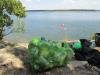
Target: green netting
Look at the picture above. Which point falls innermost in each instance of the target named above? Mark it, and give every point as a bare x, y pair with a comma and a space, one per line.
45, 55
77, 45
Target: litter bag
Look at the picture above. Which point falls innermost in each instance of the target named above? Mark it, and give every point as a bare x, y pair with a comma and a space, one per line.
44, 55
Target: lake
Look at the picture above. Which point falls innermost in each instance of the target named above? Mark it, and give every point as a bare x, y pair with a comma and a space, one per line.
58, 25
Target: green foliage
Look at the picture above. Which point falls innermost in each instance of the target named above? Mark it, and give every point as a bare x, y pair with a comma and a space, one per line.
7, 8
44, 55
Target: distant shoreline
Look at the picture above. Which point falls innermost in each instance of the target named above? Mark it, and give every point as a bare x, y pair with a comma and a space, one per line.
64, 10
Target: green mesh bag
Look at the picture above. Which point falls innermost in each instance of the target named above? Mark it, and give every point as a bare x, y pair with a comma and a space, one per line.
77, 45
44, 55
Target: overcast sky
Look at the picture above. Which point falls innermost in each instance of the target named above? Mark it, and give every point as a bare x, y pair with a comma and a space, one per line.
61, 4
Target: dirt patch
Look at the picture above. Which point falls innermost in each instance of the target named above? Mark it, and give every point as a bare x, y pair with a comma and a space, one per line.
13, 61
74, 69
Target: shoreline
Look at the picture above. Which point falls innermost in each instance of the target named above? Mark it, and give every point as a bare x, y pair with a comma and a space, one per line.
67, 10
14, 62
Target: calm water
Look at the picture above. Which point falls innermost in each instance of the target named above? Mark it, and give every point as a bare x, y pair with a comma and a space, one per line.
77, 24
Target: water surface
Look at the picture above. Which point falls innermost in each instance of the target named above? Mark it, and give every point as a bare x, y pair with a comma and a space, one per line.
77, 24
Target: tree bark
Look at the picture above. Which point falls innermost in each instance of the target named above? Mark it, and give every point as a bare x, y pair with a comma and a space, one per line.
1, 33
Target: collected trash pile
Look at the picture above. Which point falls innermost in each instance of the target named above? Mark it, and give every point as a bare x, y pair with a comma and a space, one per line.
45, 55
84, 51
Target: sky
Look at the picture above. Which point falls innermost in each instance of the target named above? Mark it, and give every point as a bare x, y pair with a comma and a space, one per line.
61, 4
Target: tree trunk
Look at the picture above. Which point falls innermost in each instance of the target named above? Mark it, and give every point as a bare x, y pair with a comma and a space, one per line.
1, 37
1, 33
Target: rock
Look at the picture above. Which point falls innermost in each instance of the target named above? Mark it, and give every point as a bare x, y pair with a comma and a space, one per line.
74, 64
22, 45
78, 63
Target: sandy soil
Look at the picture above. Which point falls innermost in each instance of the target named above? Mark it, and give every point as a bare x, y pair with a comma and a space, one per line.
13, 61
